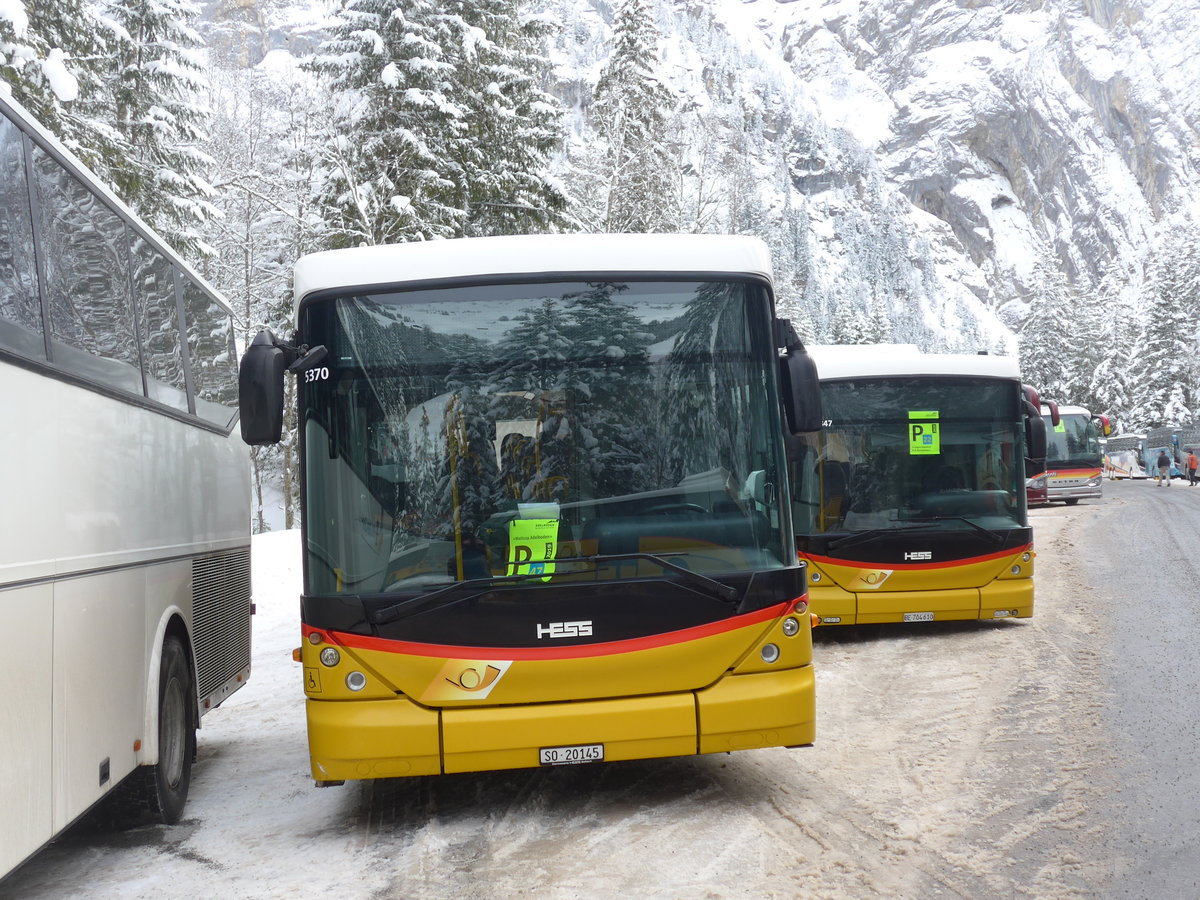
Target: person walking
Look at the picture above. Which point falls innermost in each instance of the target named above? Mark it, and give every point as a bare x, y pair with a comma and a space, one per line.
1164, 469
1192, 465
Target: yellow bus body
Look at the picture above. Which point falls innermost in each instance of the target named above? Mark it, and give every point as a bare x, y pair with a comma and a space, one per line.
996, 586
427, 710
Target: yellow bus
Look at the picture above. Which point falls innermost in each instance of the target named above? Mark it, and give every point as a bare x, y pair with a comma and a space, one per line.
910, 502
545, 514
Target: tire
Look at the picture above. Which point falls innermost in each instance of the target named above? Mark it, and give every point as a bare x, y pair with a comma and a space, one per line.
167, 782
158, 793
1072, 501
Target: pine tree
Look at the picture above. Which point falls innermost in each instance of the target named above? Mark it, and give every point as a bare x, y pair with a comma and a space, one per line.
395, 123
56, 59
849, 325
1045, 363
157, 91
632, 115
1109, 389
1167, 391
510, 125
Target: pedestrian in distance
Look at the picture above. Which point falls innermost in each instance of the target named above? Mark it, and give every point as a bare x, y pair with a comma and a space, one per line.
1164, 469
1192, 465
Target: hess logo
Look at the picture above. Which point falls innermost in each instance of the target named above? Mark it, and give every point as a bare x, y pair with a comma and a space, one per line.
565, 630
918, 555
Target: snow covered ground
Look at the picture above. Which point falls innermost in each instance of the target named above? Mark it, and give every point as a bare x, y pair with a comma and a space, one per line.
955, 760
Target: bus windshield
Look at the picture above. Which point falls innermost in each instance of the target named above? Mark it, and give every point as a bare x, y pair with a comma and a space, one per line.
531, 433
907, 452
1075, 440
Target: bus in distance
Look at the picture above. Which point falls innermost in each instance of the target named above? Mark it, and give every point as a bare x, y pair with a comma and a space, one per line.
125, 556
1074, 458
532, 534
910, 501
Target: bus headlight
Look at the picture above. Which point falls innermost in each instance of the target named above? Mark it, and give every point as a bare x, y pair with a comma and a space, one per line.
330, 656
790, 626
356, 681
816, 576
1016, 570
1025, 557
770, 653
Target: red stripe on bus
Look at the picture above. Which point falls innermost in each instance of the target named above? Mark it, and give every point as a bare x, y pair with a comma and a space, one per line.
577, 651
964, 561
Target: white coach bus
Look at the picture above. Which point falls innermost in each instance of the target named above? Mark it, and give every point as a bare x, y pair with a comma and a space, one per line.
124, 547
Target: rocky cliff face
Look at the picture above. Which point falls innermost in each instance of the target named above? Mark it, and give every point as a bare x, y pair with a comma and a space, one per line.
1019, 124
945, 145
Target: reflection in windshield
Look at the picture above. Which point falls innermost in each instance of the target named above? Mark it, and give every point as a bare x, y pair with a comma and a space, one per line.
900, 451
1075, 439
508, 431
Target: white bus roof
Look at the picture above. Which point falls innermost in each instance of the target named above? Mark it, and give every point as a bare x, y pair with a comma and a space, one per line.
835, 361
535, 255
1067, 410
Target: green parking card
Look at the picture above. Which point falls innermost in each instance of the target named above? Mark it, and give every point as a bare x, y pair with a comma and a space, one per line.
924, 436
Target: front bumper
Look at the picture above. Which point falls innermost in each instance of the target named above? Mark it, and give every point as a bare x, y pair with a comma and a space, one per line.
387, 738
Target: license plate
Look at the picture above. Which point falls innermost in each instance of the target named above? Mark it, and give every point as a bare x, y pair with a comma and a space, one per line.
569, 756
918, 617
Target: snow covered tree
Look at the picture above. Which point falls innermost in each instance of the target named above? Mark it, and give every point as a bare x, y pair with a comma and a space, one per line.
632, 114
849, 324
1045, 361
1166, 393
55, 55
509, 126
396, 120
157, 90
1109, 390
261, 134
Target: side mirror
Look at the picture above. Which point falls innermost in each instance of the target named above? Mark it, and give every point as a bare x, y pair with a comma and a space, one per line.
1104, 425
800, 383
260, 390
1035, 434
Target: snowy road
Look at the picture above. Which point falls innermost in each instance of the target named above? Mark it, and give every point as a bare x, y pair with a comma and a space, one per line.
956, 760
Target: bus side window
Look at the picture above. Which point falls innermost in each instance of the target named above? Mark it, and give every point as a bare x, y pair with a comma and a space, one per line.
20, 308
211, 356
87, 280
158, 301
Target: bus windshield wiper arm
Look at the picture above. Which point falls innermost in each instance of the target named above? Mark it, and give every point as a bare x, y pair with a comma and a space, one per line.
710, 586
995, 538
860, 536
414, 605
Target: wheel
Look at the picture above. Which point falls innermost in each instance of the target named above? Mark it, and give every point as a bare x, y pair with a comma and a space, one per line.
1071, 501
167, 782
158, 792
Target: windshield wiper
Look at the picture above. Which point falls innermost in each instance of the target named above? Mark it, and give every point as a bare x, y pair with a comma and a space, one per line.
992, 535
414, 605
709, 586
858, 537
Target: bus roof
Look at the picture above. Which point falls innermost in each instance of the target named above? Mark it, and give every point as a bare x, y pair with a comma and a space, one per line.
842, 361
1067, 410
540, 256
